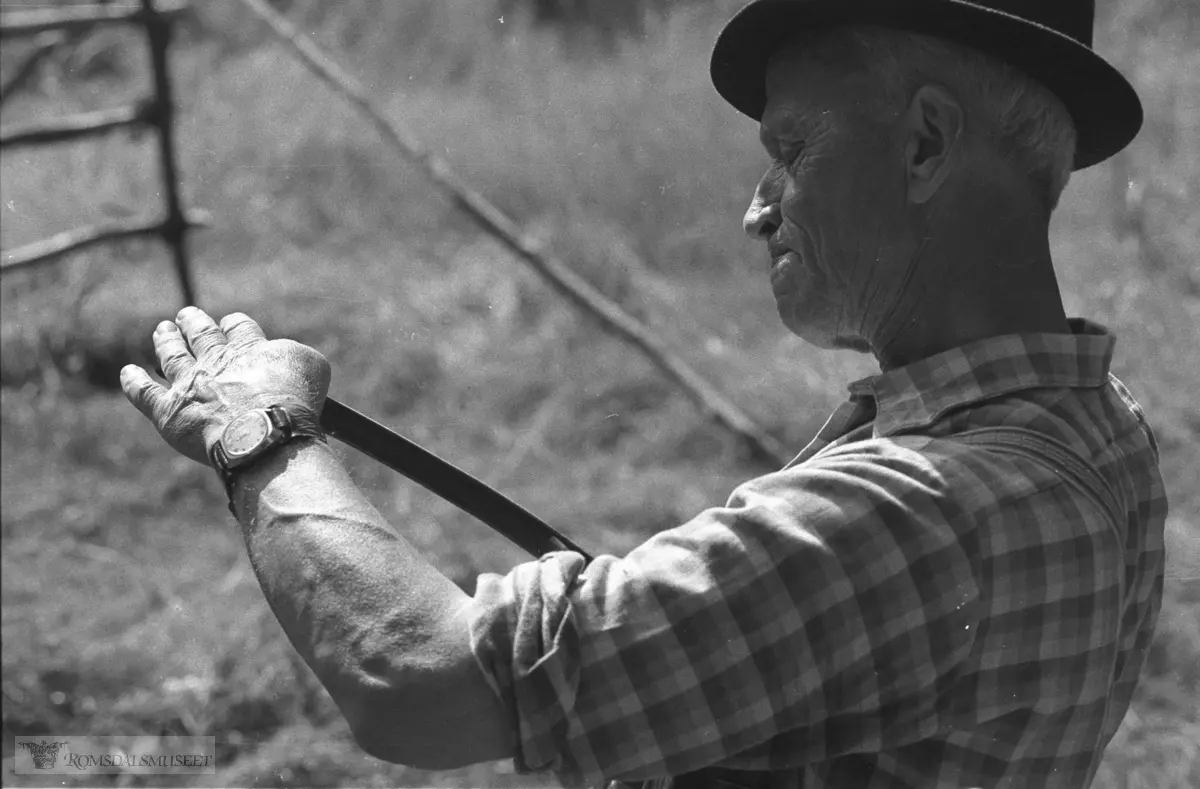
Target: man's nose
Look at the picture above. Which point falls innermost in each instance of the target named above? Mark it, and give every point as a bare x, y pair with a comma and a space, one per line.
762, 218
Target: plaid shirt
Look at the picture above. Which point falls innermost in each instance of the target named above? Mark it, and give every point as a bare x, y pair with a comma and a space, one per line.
895, 608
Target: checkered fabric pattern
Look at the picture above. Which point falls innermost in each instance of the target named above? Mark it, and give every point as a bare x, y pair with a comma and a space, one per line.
892, 609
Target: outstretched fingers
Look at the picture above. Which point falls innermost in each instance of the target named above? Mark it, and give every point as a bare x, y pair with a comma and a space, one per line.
200, 331
142, 391
174, 358
241, 329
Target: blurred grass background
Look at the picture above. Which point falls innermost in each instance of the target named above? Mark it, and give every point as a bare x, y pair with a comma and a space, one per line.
128, 604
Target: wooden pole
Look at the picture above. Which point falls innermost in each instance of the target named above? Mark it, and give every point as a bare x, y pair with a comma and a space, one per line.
80, 238
31, 22
175, 225
74, 127
763, 447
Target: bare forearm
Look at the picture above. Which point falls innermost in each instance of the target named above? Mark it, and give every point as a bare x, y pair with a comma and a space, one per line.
344, 585
362, 607
385, 631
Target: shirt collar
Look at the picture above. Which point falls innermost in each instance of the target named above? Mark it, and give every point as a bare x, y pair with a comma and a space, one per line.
918, 394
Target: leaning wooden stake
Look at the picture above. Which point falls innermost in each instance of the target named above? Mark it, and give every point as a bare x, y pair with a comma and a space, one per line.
763, 447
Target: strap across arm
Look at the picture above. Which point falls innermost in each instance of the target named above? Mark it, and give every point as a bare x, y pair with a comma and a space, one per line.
446, 480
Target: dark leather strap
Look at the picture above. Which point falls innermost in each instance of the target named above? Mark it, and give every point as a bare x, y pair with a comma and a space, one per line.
502, 514
450, 482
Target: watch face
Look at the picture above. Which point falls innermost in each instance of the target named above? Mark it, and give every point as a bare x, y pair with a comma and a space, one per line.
244, 434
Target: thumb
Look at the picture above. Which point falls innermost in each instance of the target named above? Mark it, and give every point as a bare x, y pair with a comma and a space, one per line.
142, 391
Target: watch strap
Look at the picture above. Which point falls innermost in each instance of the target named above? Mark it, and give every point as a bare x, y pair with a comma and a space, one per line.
290, 421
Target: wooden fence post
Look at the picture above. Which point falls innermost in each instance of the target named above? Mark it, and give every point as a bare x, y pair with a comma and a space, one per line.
175, 225
157, 111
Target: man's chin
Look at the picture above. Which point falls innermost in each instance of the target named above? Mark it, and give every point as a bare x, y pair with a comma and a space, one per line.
851, 344
827, 340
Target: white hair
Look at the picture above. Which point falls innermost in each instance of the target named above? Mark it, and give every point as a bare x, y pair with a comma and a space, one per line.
1021, 117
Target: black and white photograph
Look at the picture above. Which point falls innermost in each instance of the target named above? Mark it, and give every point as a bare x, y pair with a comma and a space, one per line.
634, 394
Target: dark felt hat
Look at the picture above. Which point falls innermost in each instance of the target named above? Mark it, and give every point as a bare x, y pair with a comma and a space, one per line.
1050, 40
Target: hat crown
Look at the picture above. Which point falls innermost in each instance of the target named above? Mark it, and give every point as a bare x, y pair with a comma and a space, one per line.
1048, 40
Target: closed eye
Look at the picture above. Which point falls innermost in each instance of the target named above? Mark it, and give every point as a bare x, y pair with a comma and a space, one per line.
785, 154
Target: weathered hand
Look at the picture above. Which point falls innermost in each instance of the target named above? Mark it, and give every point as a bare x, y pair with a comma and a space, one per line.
217, 373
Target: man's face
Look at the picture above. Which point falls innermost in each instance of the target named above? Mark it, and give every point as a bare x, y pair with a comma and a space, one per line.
832, 204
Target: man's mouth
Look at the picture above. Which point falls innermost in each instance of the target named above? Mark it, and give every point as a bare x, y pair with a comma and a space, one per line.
781, 256
785, 268
777, 250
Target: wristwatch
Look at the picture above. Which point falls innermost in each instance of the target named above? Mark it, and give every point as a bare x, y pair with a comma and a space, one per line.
255, 434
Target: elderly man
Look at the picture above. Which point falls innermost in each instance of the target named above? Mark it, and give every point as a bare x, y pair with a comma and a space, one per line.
954, 584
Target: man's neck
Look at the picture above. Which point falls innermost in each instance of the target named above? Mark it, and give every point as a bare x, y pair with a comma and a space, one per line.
983, 278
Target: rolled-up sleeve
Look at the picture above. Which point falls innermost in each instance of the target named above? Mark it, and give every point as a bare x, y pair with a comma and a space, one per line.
820, 612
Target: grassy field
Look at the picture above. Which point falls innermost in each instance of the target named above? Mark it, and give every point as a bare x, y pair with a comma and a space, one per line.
128, 603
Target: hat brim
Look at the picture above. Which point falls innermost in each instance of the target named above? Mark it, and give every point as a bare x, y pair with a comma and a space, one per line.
1103, 105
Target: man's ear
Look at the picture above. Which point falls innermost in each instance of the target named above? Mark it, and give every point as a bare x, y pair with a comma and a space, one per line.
934, 122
